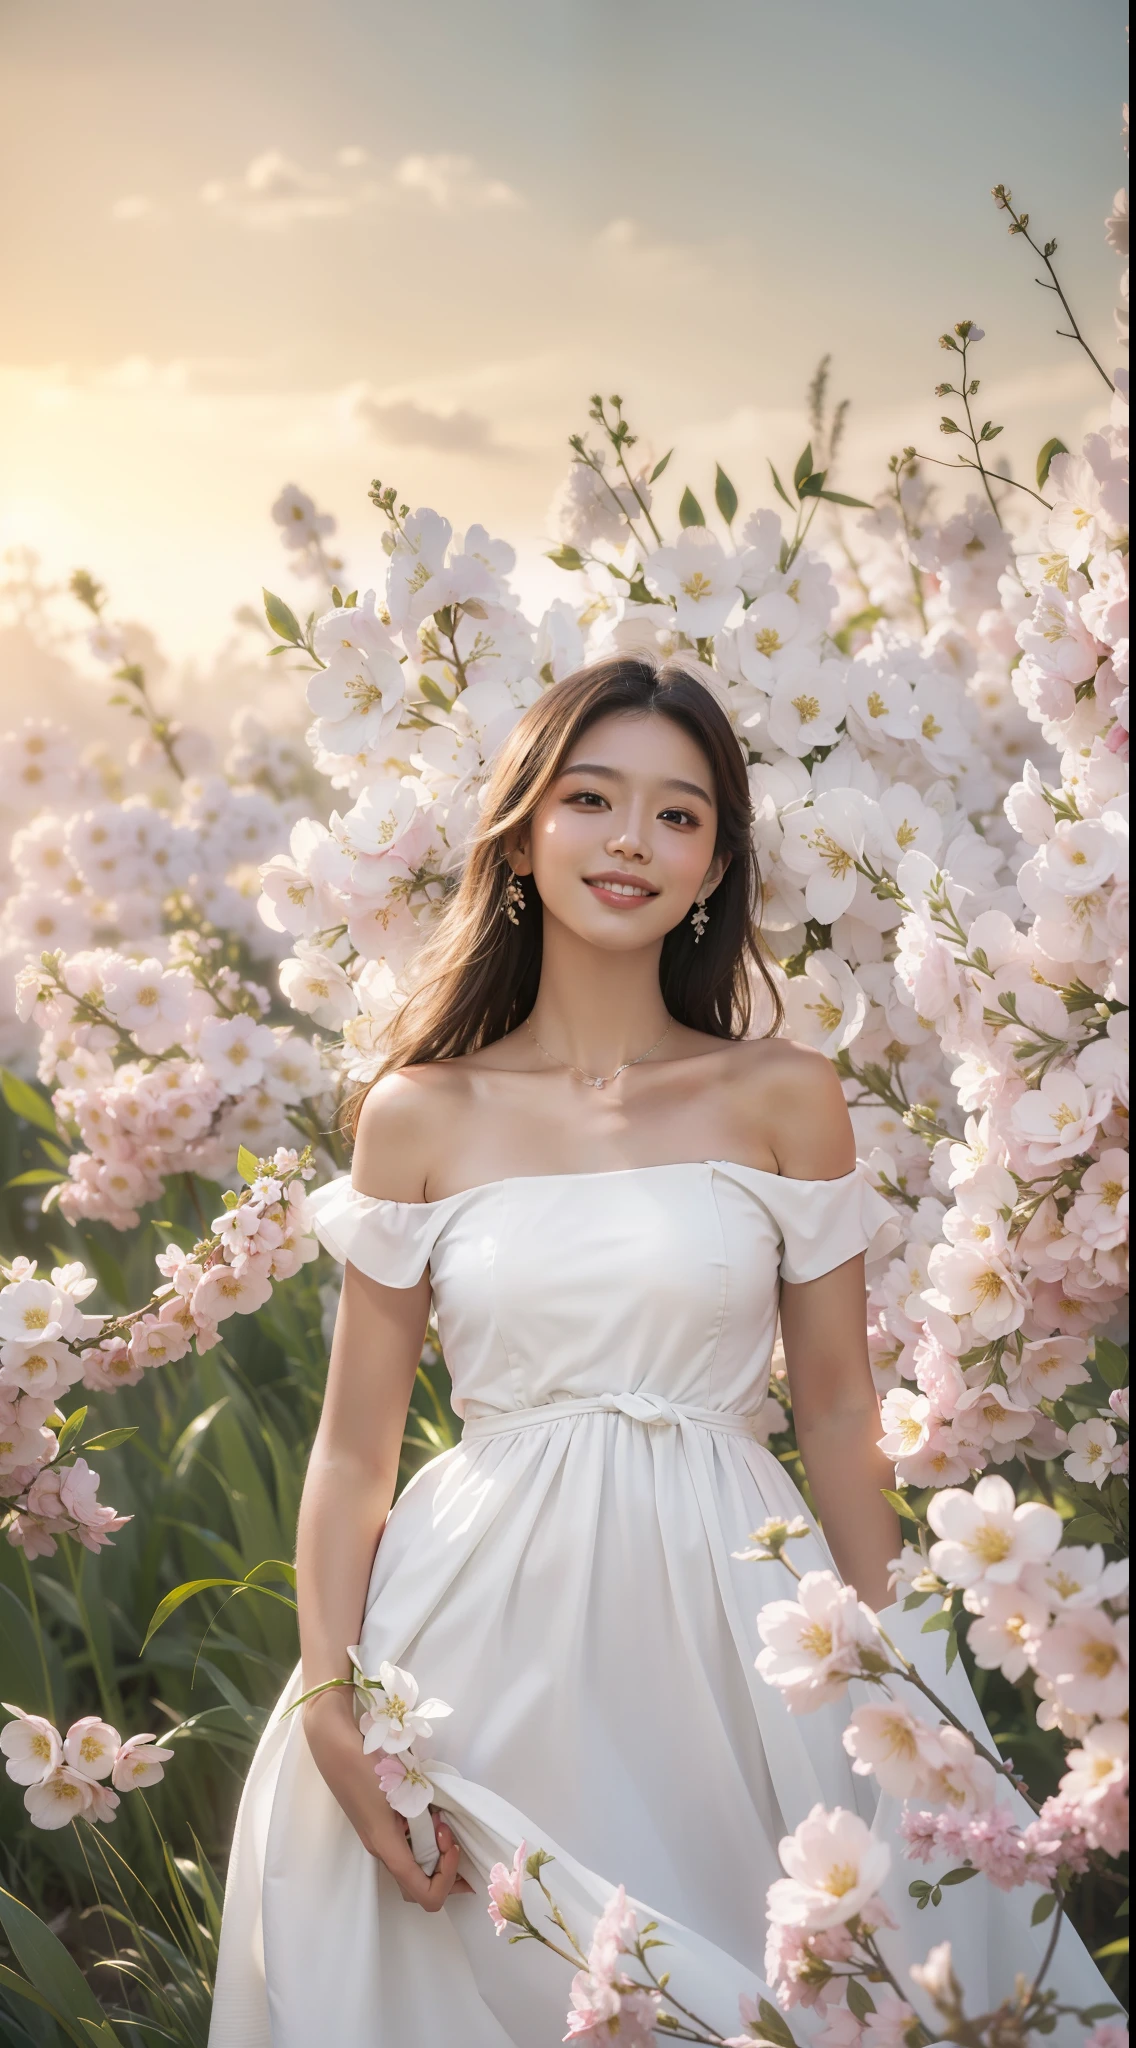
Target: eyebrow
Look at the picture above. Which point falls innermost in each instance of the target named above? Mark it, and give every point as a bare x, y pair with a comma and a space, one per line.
616, 775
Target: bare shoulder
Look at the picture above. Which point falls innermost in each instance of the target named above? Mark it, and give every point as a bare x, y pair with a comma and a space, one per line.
401, 1126
789, 1097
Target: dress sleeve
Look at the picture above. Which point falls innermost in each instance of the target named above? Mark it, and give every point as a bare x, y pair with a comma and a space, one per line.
822, 1223
388, 1241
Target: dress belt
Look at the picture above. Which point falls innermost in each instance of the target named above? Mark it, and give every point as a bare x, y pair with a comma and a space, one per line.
649, 1409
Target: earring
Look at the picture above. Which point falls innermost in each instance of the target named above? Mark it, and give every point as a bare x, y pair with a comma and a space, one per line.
699, 918
514, 899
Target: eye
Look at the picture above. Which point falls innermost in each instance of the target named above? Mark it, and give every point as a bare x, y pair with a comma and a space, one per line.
590, 798
674, 816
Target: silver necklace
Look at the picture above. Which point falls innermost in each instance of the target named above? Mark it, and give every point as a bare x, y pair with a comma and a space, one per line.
598, 1080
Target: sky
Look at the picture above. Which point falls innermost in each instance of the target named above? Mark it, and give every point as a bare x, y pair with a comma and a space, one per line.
262, 241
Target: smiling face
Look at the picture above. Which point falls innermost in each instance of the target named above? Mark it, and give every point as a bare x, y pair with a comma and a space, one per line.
623, 842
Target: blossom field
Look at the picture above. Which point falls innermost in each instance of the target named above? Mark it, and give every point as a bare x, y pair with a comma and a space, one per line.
204, 939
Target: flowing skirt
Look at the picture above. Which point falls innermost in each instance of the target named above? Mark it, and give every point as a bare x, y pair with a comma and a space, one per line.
569, 1589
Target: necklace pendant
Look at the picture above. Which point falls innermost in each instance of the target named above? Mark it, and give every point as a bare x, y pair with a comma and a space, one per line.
597, 1084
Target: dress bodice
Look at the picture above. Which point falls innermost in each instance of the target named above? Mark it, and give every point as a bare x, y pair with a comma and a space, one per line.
661, 1281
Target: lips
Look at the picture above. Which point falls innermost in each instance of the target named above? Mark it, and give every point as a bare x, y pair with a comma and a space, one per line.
620, 889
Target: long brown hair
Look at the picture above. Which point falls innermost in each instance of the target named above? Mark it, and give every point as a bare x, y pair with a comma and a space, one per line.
477, 976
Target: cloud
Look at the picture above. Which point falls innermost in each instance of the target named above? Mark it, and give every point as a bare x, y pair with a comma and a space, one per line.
453, 182
135, 206
274, 191
403, 423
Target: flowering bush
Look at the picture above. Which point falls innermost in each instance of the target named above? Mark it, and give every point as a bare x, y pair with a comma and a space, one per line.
48, 1345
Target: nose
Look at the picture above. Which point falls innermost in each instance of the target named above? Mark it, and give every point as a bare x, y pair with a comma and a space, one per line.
629, 836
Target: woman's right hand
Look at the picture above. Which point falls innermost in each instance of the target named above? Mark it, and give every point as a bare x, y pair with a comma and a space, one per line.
337, 1749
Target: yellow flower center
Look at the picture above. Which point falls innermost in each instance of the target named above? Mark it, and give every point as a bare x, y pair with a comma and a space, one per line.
363, 693
900, 1739
930, 727
817, 1638
836, 858
1110, 1193
35, 1319
906, 834
1063, 1116
827, 1012
841, 1878
698, 586
806, 708
767, 641
991, 1543
989, 1287
1100, 1657
876, 706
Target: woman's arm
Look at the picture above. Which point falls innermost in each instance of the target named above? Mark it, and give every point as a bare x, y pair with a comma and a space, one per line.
350, 1484
837, 1419
824, 1331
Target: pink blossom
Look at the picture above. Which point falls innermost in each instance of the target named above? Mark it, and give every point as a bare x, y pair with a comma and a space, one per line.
887, 2026
154, 1342
507, 1885
138, 1763
96, 1524
110, 1365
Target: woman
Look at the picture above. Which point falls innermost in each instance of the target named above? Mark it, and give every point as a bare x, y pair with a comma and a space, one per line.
609, 1188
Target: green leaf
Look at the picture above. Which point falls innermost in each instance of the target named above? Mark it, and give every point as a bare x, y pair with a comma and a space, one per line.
861, 2004
27, 1102
943, 1619
1111, 1948
690, 512
1089, 1529
565, 557
725, 496
1043, 1907
271, 1568
70, 1430
779, 486
54, 1152
952, 1653
178, 1598
804, 467
48, 1966
962, 1875
18, 1987
812, 485
189, 1442
434, 694
251, 1583
773, 2027
660, 465
841, 498
36, 1177
1111, 1362
900, 1504
1045, 458
248, 1165
109, 1439
110, 1273
282, 619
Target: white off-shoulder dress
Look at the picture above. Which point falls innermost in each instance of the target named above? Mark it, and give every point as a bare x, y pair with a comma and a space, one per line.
565, 1578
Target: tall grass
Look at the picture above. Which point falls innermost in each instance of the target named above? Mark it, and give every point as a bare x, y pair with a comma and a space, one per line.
212, 1479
